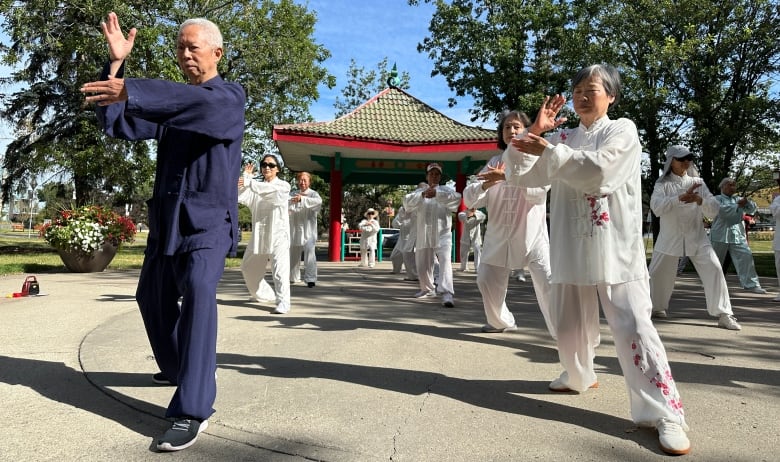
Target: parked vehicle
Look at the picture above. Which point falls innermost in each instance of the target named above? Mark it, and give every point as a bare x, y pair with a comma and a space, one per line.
389, 237
763, 227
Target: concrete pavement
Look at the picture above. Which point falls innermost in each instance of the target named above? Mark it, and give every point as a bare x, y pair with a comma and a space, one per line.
359, 370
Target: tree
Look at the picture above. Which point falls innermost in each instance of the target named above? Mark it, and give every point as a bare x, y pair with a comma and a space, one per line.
363, 85
698, 72
57, 46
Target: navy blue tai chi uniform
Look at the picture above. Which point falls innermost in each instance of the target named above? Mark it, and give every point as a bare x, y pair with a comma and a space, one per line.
193, 221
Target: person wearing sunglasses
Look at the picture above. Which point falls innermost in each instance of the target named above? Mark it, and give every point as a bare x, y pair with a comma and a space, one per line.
681, 200
369, 228
267, 199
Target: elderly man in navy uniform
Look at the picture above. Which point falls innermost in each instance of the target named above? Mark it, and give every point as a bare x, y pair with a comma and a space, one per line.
193, 212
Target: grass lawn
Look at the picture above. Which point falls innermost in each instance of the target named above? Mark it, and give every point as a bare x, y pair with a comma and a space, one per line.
20, 254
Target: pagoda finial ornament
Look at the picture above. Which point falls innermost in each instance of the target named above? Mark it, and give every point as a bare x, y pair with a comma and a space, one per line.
393, 80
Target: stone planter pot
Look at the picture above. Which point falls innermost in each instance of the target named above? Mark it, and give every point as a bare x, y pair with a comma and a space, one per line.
95, 263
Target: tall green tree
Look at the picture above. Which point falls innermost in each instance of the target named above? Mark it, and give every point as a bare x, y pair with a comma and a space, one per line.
363, 84
56, 46
698, 72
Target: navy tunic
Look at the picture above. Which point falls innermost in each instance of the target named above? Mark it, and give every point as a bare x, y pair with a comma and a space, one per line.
193, 222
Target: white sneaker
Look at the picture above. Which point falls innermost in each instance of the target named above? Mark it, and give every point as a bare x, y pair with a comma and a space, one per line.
557, 385
728, 321
756, 290
488, 329
672, 437
424, 293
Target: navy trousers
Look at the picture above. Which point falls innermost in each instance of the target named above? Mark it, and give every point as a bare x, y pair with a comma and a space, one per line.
184, 339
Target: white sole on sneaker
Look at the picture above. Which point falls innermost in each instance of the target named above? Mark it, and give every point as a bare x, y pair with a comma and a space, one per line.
168, 448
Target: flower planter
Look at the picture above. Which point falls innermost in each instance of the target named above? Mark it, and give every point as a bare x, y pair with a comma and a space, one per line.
94, 263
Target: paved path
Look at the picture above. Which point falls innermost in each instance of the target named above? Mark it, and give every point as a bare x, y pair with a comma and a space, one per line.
361, 371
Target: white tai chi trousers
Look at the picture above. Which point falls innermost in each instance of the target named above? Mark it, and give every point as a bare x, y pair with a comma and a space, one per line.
425, 260
777, 265
465, 249
253, 268
493, 282
309, 263
642, 357
663, 272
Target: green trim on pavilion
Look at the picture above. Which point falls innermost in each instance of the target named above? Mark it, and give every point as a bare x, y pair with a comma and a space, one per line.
387, 140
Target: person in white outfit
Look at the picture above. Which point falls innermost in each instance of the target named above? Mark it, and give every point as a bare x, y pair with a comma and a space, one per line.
305, 204
267, 200
681, 200
403, 252
596, 249
471, 239
369, 228
434, 207
774, 208
516, 234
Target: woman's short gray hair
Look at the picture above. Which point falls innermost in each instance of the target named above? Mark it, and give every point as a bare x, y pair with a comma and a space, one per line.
724, 181
610, 78
211, 32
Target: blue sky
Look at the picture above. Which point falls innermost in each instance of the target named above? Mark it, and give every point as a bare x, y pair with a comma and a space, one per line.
370, 30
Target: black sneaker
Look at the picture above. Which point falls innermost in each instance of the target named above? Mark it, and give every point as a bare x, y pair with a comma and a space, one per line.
310, 284
182, 434
161, 379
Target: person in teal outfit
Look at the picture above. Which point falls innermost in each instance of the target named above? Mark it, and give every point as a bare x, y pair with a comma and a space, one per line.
728, 234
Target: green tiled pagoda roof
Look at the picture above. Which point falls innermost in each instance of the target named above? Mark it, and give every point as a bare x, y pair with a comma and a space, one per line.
394, 116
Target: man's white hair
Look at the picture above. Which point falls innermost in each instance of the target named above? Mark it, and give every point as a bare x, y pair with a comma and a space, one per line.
212, 34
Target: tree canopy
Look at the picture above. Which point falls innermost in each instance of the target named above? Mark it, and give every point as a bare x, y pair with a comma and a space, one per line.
57, 46
699, 72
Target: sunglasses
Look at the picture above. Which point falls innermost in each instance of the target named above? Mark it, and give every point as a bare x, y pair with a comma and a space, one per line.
688, 158
267, 165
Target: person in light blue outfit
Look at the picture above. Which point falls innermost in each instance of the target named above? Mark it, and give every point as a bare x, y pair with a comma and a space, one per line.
728, 234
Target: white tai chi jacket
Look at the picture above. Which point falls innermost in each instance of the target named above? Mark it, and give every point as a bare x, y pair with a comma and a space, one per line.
434, 216
590, 188
682, 225
303, 218
472, 227
268, 203
517, 222
406, 223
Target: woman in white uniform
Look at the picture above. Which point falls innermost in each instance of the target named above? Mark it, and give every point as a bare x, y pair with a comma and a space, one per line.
369, 228
268, 201
681, 200
597, 252
471, 238
516, 234
774, 208
403, 252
